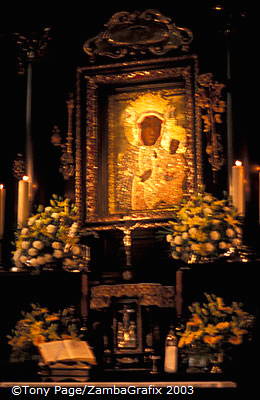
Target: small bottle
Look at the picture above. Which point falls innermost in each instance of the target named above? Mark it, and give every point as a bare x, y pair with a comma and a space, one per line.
171, 352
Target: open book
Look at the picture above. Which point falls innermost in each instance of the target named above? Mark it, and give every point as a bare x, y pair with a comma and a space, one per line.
66, 351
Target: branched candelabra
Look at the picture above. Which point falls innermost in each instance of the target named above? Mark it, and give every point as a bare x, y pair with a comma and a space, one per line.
31, 47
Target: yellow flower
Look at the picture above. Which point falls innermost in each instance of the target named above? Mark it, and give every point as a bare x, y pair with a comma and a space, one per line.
230, 232
239, 332
214, 235
178, 240
38, 340
197, 319
222, 325
193, 232
182, 342
212, 340
169, 238
230, 220
235, 340
211, 329
219, 301
201, 236
52, 318
209, 247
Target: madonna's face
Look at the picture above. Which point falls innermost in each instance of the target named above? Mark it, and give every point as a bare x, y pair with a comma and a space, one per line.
150, 130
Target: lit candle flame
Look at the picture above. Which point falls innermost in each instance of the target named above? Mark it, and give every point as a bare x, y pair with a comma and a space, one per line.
238, 163
25, 178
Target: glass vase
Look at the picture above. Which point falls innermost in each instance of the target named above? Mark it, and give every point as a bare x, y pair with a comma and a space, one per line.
198, 360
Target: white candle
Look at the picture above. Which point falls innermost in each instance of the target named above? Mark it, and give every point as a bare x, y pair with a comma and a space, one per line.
238, 187
23, 201
2, 210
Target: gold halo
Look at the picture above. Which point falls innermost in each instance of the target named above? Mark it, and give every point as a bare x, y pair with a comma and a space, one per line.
152, 104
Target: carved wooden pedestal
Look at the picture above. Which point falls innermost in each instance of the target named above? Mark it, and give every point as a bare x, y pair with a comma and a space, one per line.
134, 322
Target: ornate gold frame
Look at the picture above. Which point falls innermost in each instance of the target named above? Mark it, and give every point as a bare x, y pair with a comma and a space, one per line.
93, 85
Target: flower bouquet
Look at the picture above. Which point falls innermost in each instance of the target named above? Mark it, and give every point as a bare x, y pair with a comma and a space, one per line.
40, 325
204, 228
50, 236
215, 327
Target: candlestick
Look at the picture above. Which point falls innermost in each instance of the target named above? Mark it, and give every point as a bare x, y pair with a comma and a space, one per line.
2, 210
238, 188
23, 201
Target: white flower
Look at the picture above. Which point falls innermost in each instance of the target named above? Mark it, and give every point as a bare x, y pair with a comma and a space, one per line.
208, 198
192, 232
24, 231
214, 235
73, 229
230, 232
56, 245
17, 254
48, 209
76, 250
55, 215
223, 245
25, 245
58, 253
32, 252
38, 244
34, 262
238, 230
51, 228
38, 223
41, 260
31, 220
236, 242
209, 247
23, 259
48, 257
207, 211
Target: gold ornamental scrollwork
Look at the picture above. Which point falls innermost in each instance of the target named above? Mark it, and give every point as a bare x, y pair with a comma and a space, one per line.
148, 294
138, 33
212, 106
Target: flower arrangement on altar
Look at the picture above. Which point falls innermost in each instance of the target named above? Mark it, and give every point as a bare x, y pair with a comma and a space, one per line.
204, 228
40, 325
215, 325
52, 234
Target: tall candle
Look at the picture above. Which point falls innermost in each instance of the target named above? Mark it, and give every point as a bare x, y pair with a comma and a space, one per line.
238, 187
23, 201
2, 210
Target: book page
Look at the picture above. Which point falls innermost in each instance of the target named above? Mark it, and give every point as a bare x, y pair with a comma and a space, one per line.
66, 350
79, 350
53, 351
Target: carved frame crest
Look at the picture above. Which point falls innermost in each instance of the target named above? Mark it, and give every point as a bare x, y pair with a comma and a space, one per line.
138, 33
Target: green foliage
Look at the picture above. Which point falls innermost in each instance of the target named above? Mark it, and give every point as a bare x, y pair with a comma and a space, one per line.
40, 325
